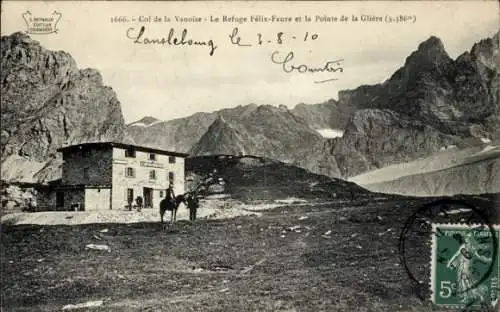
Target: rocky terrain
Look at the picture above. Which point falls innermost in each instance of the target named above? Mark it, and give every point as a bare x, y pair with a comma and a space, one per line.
48, 102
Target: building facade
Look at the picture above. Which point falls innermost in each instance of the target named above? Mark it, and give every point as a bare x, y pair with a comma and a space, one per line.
102, 176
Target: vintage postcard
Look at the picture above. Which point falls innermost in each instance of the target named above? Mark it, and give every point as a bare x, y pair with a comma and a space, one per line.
250, 156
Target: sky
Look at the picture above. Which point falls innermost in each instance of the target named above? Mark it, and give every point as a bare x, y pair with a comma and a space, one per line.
167, 81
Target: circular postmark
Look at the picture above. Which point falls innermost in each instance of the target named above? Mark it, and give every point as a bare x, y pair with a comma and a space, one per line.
449, 249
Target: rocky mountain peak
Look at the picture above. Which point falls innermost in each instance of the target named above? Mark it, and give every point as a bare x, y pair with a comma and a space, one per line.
430, 55
487, 51
48, 102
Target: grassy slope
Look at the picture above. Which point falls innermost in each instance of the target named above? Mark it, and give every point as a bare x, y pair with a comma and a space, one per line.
200, 266
255, 178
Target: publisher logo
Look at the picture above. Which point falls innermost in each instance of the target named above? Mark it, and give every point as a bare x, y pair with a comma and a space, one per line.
41, 25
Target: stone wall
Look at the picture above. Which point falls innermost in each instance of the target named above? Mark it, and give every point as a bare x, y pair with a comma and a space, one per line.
88, 166
46, 199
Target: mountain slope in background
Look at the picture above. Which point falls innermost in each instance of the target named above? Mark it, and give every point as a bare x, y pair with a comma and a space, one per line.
432, 101
476, 174
250, 178
264, 131
327, 115
375, 138
178, 134
48, 102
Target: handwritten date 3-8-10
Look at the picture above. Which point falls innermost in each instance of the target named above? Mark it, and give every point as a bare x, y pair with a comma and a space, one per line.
280, 38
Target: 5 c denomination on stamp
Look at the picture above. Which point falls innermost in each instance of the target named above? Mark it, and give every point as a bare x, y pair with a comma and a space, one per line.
465, 268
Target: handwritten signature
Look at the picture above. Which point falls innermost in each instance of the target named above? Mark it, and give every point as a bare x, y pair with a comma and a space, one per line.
288, 67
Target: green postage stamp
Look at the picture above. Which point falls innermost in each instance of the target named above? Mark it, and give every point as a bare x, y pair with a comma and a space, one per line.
465, 268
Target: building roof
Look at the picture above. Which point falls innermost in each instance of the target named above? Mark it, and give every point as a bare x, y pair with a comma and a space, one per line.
120, 145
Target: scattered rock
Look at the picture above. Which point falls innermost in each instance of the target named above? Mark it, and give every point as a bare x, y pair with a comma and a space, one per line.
88, 304
98, 247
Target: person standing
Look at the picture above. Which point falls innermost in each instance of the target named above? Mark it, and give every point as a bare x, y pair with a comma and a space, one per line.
193, 204
138, 202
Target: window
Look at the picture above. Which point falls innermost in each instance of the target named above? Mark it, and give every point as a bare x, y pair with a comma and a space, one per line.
85, 173
129, 172
86, 153
171, 159
161, 193
130, 153
130, 195
171, 177
152, 156
152, 175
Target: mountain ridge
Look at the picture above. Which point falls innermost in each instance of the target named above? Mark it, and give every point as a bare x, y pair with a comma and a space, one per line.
47, 102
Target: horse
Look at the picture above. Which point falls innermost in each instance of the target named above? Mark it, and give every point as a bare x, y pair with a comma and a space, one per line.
171, 205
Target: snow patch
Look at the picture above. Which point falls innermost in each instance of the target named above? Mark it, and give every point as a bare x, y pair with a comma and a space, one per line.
485, 140
290, 200
141, 124
330, 133
487, 148
138, 124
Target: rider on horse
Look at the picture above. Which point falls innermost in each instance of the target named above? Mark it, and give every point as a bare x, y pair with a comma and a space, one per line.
170, 193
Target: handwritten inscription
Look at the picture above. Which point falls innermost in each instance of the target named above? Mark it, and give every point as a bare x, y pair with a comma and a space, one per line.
279, 38
288, 67
171, 39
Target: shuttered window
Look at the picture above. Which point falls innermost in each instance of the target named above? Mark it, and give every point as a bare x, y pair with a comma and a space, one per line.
129, 172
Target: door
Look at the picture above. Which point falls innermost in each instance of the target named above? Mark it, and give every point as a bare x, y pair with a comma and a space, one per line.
59, 200
148, 197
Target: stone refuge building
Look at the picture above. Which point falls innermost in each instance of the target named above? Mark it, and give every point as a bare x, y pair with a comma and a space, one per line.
106, 175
